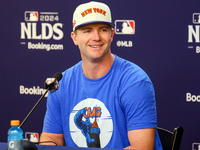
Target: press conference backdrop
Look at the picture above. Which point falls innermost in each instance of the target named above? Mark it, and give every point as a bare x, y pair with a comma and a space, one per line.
162, 37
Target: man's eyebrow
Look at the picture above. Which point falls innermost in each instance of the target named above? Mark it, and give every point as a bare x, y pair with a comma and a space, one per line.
85, 28
89, 28
105, 27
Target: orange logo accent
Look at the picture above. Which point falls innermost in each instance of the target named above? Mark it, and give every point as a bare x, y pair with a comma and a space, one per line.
96, 112
95, 10
74, 23
101, 11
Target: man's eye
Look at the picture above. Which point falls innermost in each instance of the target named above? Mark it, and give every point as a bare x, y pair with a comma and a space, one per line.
86, 31
104, 30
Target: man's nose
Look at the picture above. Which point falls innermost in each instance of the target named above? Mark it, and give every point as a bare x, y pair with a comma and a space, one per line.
96, 35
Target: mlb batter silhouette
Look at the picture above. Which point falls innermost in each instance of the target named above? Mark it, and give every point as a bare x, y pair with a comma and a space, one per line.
33, 17
126, 28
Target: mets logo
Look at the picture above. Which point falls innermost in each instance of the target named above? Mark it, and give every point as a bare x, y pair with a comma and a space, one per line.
91, 124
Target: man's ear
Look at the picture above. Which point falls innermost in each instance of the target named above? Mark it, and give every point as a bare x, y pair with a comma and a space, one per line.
73, 36
112, 34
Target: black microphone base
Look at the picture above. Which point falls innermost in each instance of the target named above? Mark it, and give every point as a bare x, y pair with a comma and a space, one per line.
29, 145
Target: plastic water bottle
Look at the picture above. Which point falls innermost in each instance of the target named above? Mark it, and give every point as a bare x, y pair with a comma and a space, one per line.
15, 136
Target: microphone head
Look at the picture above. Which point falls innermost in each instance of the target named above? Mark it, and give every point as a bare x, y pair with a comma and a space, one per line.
52, 83
58, 76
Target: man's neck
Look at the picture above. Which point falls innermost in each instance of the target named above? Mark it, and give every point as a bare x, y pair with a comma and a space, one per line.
94, 70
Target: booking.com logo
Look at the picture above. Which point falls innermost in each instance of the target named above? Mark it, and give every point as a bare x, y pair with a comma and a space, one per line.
192, 98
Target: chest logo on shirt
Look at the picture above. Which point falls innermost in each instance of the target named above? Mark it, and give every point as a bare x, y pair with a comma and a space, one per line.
91, 124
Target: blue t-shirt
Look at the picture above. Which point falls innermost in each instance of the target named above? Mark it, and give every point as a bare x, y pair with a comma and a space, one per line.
100, 112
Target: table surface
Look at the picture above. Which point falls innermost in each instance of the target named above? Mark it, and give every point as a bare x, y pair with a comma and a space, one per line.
45, 147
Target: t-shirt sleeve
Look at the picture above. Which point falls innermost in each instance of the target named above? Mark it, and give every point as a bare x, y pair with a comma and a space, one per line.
139, 106
52, 120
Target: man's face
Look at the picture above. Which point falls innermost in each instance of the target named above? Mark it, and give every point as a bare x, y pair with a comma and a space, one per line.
93, 40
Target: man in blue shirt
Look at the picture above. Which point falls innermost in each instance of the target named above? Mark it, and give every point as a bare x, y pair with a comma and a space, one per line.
103, 101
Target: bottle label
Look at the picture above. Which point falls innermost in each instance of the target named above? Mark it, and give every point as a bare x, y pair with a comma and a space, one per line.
15, 145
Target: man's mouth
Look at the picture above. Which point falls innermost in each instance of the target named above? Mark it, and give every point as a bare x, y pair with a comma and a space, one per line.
95, 46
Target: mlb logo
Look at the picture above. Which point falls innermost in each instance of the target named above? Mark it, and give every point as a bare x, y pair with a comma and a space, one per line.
125, 27
195, 146
196, 18
32, 137
31, 16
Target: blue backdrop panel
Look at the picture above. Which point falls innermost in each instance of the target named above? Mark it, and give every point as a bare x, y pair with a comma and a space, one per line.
35, 44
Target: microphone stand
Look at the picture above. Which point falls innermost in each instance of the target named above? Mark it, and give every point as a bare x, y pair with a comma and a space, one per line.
33, 108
